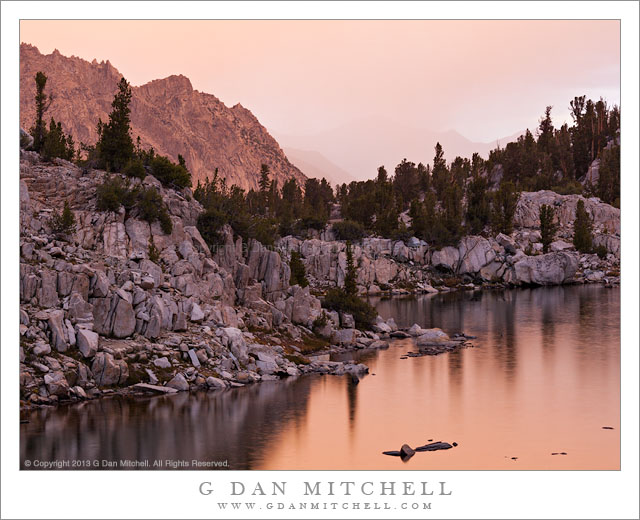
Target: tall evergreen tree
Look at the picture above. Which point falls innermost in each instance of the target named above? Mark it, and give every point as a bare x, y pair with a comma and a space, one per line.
582, 229
563, 154
439, 172
478, 205
580, 136
39, 129
548, 227
264, 182
608, 185
115, 146
350, 287
406, 180
546, 132
57, 144
451, 214
298, 274
382, 175
503, 208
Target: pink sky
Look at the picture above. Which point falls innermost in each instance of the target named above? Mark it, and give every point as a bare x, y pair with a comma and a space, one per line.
484, 79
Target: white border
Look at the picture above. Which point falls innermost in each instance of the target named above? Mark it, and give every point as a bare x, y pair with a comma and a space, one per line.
543, 494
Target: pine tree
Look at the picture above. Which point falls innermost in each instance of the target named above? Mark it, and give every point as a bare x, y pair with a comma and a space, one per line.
503, 208
582, 229
115, 146
39, 129
562, 153
63, 224
350, 287
298, 274
451, 214
264, 182
548, 227
546, 132
477, 215
439, 172
608, 185
57, 144
406, 180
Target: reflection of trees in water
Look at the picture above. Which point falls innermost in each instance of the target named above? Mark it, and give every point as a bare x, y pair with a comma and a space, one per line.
236, 425
503, 329
598, 311
550, 306
352, 401
454, 364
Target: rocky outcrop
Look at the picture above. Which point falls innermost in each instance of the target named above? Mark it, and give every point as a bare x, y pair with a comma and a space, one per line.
606, 218
99, 315
411, 265
550, 269
167, 114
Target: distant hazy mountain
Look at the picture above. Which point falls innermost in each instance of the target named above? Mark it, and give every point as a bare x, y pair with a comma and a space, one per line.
361, 146
314, 164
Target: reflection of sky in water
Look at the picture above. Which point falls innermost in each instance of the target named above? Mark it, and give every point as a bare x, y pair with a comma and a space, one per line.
544, 378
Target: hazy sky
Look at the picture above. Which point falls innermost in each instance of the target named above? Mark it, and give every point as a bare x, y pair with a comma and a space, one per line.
485, 79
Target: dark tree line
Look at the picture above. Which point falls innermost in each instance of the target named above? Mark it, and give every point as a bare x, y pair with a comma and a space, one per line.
560, 157
265, 213
443, 200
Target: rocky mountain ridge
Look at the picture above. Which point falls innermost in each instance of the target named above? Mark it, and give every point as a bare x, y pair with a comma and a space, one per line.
167, 114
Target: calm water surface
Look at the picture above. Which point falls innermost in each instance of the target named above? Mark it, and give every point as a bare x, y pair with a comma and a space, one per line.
543, 378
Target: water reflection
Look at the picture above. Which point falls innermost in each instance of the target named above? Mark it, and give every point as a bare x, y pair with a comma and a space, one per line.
544, 378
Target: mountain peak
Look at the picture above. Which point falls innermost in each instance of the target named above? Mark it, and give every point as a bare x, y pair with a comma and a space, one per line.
167, 114
179, 82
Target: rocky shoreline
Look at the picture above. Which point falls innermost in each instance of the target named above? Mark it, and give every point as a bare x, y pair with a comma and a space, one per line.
99, 317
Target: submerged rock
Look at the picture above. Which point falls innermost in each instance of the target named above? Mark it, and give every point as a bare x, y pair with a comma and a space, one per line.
435, 446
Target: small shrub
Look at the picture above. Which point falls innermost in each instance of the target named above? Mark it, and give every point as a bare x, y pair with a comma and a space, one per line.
298, 359
63, 224
165, 221
115, 192
170, 174
320, 321
312, 343
338, 300
135, 168
151, 208
263, 230
149, 204
348, 230
111, 193
298, 273
209, 224
601, 251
